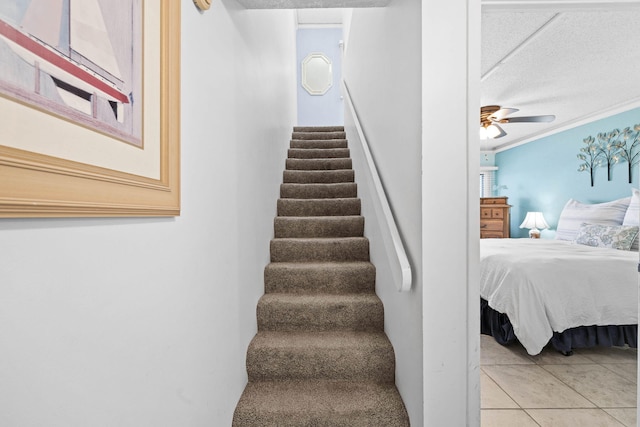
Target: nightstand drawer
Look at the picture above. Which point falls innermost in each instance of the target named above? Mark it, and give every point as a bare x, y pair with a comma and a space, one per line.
488, 225
491, 235
491, 213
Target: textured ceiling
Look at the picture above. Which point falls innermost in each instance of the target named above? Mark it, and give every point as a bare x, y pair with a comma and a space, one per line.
327, 16
578, 64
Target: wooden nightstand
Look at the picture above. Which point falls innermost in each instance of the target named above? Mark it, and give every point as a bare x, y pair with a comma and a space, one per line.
494, 217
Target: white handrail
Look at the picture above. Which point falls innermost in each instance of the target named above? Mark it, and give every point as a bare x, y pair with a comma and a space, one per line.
402, 268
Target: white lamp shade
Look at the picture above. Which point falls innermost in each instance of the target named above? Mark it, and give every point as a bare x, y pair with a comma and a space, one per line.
534, 220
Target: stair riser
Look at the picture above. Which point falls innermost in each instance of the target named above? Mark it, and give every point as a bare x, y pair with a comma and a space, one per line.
318, 128
350, 226
319, 250
335, 418
318, 191
318, 164
331, 279
287, 316
318, 143
281, 364
318, 177
318, 135
318, 153
318, 207
320, 404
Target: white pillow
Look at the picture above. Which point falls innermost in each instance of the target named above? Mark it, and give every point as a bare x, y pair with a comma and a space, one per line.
632, 217
607, 236
575, 213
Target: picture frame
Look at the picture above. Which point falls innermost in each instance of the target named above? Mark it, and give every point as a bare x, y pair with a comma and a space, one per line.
34, 182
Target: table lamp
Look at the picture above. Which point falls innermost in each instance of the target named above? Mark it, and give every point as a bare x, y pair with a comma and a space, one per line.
533, 221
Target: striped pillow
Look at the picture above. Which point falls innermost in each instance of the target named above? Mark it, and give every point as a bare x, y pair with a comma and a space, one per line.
575, 213
632, 217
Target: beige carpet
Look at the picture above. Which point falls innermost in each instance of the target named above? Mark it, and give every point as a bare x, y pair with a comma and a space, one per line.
321, 357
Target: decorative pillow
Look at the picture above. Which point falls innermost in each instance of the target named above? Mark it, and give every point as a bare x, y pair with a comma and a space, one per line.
607, 236
575, 213
632, 217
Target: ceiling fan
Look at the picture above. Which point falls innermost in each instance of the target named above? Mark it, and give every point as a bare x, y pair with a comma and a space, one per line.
491, 115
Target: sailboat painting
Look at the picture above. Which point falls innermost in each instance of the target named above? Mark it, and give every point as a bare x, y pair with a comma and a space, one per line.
77, 59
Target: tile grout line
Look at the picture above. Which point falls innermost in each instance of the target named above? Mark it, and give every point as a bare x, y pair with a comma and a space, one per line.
531, 416
616, 373
569, 386
503, 390
595, 405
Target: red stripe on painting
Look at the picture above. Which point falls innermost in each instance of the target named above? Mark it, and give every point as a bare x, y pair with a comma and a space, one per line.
37, 49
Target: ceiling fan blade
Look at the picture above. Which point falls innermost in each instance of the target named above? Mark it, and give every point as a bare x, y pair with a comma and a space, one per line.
529, 119
494, 131
503, 112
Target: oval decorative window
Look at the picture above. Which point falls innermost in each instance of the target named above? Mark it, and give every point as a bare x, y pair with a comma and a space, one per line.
317, 75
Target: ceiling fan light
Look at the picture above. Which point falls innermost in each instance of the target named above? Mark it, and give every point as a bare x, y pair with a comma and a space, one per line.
493, 131
483, 133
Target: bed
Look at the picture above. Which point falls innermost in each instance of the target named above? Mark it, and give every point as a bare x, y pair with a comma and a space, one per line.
574, 291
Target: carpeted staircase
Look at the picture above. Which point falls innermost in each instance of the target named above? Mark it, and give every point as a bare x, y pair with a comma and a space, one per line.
321, 357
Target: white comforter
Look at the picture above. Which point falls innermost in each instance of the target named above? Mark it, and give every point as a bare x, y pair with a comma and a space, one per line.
552, 285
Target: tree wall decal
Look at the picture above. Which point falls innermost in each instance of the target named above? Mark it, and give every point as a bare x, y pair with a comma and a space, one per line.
628, 144
590, 156
609, 149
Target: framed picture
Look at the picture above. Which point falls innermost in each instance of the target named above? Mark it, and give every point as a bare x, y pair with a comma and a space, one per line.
89, 108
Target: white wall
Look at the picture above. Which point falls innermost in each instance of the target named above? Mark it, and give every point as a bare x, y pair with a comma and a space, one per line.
451, 101
146, 322
409, 67
326, 109
382, 69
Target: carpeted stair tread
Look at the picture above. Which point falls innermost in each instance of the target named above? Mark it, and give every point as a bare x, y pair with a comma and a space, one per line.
319, 207
334, 355
318, 128
318, 164
320, 277
318, 143
318, 177
318, 135
318, 153
320, 404
318, 226
318, 191
320, 249
320, 312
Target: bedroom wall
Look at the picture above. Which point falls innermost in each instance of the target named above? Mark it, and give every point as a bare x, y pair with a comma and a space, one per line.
543, 175
146, 322
382, 68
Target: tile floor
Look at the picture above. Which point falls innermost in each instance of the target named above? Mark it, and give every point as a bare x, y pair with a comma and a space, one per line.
594, 387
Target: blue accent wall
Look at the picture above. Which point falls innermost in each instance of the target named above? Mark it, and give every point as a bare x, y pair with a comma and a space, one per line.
543, 175
327, 109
